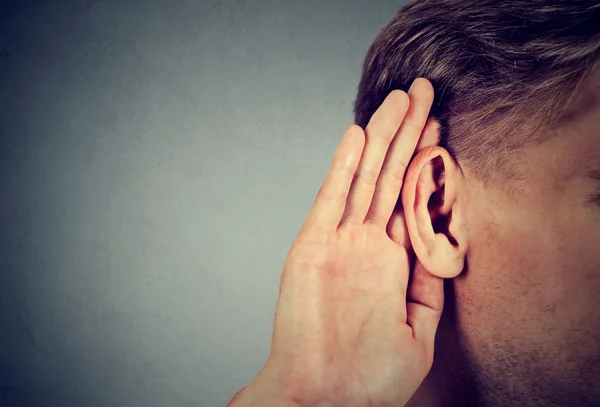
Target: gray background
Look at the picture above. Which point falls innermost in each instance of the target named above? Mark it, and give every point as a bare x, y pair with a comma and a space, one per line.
157, 160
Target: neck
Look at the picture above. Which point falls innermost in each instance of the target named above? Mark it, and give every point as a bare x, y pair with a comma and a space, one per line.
451, 381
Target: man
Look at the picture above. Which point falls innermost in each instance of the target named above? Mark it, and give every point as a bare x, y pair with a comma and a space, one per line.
501, 199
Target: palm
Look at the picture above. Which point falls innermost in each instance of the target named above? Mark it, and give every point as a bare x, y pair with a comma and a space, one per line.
354, 313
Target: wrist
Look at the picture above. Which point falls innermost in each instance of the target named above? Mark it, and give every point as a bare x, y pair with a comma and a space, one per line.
266, 390
260, 393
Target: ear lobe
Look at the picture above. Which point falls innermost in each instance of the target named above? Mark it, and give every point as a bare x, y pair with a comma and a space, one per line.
433, 212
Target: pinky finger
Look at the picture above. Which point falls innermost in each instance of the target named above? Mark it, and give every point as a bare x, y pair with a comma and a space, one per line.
424, 304
397, 229
329, 205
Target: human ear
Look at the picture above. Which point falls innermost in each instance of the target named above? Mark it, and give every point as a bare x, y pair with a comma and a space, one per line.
434, 211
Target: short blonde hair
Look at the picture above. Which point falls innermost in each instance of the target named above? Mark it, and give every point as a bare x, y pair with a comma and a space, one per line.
506, 73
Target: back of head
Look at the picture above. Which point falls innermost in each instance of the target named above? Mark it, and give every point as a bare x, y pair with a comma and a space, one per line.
505, 73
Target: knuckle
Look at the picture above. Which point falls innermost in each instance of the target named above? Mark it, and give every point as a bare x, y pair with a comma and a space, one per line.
388, 135
412, 125
327, 197
349, 220
394, 173
367, 177
344, 169
375, 219
401, 165
381, 131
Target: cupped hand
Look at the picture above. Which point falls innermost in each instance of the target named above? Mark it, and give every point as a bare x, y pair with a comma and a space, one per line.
349, 328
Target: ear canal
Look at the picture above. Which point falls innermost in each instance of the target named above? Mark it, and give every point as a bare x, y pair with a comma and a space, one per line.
441, 224
437, 199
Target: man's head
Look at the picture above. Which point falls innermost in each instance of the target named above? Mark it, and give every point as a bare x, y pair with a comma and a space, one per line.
510, 204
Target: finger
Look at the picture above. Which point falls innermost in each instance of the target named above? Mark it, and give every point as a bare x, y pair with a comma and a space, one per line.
379, 134
330, 201
396, 228
424, 304
400, 153
430, 136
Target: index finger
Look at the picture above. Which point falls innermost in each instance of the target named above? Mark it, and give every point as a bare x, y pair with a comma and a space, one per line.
400, 153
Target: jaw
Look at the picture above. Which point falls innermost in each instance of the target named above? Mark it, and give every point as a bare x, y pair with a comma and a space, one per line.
452, 380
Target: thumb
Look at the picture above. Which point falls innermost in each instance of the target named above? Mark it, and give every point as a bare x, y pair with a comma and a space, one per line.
424, 304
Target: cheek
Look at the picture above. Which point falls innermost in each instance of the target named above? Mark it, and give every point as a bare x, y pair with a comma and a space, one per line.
532, 280
502, 281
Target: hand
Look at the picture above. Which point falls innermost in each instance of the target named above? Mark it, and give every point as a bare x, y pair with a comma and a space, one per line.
347, 332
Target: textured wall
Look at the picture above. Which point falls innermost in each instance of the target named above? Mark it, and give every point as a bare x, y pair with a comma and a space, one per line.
157, 159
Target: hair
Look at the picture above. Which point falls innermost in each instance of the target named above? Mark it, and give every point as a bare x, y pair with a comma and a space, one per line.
506, 74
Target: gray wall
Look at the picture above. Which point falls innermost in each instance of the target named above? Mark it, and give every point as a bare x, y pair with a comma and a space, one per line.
157, 160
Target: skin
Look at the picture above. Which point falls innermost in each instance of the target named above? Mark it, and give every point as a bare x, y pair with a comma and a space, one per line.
362, 288
349, 328
521, 324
